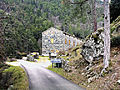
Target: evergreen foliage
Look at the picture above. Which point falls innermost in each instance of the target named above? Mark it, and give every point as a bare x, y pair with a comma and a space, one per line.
114, 9
27, 19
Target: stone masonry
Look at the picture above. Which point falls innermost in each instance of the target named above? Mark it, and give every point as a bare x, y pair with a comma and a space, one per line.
54, 40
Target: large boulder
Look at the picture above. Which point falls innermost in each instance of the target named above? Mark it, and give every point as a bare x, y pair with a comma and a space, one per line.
30, 58
93, 47
36, 56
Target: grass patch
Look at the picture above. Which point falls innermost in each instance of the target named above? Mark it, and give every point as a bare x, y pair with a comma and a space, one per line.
59, 71
43, 58
11, 61
14, 78
76, 78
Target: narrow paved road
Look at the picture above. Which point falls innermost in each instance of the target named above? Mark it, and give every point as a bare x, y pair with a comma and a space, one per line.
43, 79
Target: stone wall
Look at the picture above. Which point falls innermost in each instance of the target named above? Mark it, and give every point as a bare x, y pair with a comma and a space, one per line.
54, 40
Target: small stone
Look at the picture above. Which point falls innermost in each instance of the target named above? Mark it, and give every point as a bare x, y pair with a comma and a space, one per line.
89, 80
83, 73
88, 86
118, 81
88, 76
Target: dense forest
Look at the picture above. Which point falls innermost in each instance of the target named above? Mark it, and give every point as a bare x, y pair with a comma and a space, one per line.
27, 19
88, 53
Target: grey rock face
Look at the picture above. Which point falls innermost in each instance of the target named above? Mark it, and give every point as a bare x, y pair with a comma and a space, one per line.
93, 48
30, 58
65, 66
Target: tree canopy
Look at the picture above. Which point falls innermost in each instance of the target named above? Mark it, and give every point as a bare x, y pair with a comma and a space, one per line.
27, 19
114, 9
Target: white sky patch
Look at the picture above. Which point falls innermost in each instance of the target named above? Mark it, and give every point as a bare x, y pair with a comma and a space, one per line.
103, 0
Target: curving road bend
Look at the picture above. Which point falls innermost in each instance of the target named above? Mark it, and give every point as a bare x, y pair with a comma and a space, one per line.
43, 79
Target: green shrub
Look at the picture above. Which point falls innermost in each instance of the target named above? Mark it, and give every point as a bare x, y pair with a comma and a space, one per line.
115, 41
3, 65
13, 78
19, 55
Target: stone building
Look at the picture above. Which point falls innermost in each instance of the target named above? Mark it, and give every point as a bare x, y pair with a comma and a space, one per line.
54, 40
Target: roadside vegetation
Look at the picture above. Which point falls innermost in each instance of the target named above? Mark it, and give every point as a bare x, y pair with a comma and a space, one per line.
74, 77
22, 23
13, 78
81, 77
59, 71
91, 78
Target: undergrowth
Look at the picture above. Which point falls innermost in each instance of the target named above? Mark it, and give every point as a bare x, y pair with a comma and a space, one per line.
13, 77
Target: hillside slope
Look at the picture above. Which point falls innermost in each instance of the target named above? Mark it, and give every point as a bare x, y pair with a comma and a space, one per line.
77, 69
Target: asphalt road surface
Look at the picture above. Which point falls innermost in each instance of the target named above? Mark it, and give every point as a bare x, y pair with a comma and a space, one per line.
43, 79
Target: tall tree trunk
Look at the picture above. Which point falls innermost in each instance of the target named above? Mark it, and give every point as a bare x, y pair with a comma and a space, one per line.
106, 34
94, 14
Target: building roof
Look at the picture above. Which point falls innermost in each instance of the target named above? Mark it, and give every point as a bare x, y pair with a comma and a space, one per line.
54, 29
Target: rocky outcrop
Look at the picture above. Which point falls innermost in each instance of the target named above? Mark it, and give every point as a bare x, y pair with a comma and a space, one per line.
93, 47
30, 58
66, 66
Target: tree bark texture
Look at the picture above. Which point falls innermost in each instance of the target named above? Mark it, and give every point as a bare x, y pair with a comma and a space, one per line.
94, 14
106, 34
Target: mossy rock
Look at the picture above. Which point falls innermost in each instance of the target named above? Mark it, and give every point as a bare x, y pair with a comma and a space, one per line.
95, 36
77, 47
113, 28
87, 37
100, 30
116, 20
115, 24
